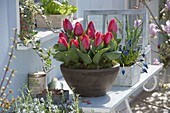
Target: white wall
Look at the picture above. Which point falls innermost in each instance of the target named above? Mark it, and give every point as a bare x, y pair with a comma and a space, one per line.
26, 61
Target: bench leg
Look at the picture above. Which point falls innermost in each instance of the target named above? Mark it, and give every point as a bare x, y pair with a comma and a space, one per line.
128, 106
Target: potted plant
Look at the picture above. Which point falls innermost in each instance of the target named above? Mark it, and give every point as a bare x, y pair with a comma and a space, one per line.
55, 12
130, 62
88, 58
27, 20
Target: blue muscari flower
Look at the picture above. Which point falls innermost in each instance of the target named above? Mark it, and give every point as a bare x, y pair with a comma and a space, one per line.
126, 53
141, 60
145, 65
138, 49
143, 54
123, 71
120, 49
144, 70
129, 42
120, 56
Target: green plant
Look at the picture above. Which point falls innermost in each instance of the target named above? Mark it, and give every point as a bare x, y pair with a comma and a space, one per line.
27, 20
131, 49
53, 7
28, 10
86, 49
26, 104
9, 72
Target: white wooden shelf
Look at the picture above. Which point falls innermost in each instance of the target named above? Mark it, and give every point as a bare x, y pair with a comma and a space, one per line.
44, 35
107, 103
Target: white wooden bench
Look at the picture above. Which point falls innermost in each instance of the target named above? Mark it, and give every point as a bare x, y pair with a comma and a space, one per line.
117, 95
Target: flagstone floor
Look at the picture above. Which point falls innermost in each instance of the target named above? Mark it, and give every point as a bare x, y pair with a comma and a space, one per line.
149, 102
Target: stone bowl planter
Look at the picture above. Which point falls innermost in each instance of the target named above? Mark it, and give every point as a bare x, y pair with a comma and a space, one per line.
90, 82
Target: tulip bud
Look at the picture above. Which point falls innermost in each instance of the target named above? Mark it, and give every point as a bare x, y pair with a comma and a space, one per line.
113, 26
63, 41
78, 29
62, 35
108, 37
75, 42
67, 25
91, 26
85, 41
91, 33
98, 40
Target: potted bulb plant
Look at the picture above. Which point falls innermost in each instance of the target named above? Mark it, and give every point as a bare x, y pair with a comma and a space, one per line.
55, 13
88, 58
130, 62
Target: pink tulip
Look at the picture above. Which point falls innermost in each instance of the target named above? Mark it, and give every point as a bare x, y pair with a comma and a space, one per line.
78, 29
85, 41
108, 37
91, 26
67, 25
98, 40
91, 33
113, 26
62, 35
63, 41
75, 42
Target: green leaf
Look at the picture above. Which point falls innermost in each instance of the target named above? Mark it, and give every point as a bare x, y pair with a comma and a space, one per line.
84, 57
82, 48
61, 56
98, 56
61, 47
113, 45
118, 40
67, 56
113, 55
73, 55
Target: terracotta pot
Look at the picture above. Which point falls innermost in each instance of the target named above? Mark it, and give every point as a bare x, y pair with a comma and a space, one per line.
90, 82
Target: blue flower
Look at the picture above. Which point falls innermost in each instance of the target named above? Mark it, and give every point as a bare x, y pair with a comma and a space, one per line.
138, 49
126, 53
129, 42
120, 56
123, 71
143, 54
141, 60
145, 65
144, 70
120, 49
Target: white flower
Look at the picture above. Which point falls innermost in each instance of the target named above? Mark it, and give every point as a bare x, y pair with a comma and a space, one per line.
137, 23
166, 27
153, 30
35, 99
